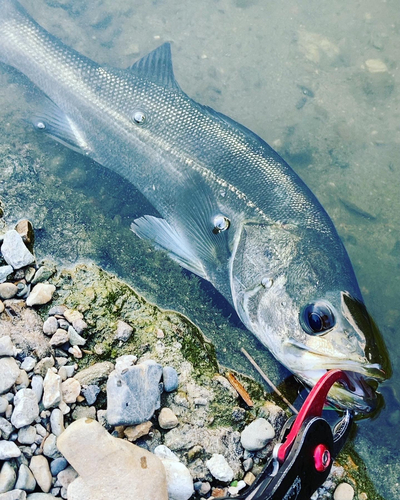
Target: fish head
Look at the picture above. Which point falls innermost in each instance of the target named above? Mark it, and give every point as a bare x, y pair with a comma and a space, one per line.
304, 304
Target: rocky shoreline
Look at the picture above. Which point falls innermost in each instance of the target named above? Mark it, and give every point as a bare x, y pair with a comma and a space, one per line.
92, 378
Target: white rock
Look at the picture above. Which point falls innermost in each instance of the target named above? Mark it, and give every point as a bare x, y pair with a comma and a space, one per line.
8, 449
75, 351
26, 480
9, 372
219, 468
14, 495
51, 389
257, 434
41, 471
7, 347
125, 361
4, 272
376, 66
50, 449
70, 389
28, 364
3, 404
42, 293
59, 338
74, 337
344, 491
26, 408
179, 480
66, 476
37, 386
7, 477
50, 326
22, 380
71, 315
15, 252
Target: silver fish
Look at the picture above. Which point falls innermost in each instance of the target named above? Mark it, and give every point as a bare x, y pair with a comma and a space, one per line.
232, 210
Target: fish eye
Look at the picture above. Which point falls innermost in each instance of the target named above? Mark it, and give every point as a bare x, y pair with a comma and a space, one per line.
317, 318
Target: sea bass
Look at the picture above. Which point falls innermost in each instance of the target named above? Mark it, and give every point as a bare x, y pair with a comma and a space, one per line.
231, 209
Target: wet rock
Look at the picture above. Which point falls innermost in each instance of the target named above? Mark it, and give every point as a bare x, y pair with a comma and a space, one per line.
167, 419
179, 480
14, 250
51, 389
133, 393
26, 480
42, 293
7, 477
170, 379
219, 468
25, 229
41, 471
5, 271
8, 291
26, 408
257, 434
124, 331
9, 372
109, 467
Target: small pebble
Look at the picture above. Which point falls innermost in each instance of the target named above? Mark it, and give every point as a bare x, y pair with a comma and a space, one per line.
80, 325
59, 310
50, 449
167, 419
57, 421
344, 491
170, 379
5, 271
75, 351
59, 338
9, 372
257, 434
41, 471
50, 326
124, 331
70, 389
28, 364
37, 386
7, 477
132, 433
51, 389
15, 252
376, 66
74, 337
8, 449
7, 347
26, 480
26, 408
57, 465
27, 434
249, 478
71, 315
219, 468
90, 392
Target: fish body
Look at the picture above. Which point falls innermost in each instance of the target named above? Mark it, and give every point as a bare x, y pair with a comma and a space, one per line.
232, 210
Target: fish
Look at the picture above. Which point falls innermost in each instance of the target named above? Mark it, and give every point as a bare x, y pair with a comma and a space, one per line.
231, 210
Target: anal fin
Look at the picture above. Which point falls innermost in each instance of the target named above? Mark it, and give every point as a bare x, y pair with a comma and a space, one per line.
167, 238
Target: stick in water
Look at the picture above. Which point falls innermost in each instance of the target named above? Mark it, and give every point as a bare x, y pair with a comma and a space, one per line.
269, 382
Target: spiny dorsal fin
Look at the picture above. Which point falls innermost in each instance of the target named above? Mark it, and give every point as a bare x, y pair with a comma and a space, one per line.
157, 67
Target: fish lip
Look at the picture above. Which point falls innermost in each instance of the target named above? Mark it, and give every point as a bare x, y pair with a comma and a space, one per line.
361, 385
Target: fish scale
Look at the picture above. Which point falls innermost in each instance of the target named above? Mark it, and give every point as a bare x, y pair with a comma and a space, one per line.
231, 209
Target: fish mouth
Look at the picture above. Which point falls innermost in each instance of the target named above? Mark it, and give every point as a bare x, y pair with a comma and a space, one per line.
358, 394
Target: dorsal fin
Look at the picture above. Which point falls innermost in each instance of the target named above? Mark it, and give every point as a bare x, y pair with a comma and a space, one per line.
157, 67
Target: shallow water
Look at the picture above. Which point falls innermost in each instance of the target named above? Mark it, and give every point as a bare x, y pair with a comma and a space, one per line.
297, 76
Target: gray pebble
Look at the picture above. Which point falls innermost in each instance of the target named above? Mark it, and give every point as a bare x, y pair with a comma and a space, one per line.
43, 365
124, 331
248, 464
28, 364
5, 271
66, 476
59, 338
59, 310
15, 252
57, 421
7, 477
43, 274
25, 480
26, 408
57, 465
6, 428
8, 291
26, 435
66, 371
170, 379
257, 434
84, 412
37, 386
50, 447
74, 337
50, 325
29, 274
51, 389
90, 392
80, 325
3, 404
63, 323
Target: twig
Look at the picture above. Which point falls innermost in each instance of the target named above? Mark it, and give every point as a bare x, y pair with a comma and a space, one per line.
269, 382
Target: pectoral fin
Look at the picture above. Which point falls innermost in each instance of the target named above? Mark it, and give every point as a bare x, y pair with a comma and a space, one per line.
167, 238
51, 120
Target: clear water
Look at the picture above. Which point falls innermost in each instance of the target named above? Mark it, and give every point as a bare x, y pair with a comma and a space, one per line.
294, 72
